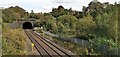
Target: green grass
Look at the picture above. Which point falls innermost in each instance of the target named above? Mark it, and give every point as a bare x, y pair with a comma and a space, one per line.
13, 41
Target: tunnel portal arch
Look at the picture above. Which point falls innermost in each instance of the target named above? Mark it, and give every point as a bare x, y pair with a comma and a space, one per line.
27, 25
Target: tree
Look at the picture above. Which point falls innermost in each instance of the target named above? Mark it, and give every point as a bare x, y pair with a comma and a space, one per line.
56, 12
61, 9
107, 24
95, 0
13, 13
39, 15
94, 8
67, 23
50, 23
67, 20
19, 10
85, 27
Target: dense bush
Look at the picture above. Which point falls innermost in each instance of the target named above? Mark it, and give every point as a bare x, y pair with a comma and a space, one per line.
66, 23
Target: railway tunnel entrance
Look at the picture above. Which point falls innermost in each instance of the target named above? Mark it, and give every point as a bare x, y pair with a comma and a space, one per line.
27, 25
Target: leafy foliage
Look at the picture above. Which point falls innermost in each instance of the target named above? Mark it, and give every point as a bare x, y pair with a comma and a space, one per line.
67, 23
13, 13
85, 27
97, 21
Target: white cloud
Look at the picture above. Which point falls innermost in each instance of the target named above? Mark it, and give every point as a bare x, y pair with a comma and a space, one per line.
47, 5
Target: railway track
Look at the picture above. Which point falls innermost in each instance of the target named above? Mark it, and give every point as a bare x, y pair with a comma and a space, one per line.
47, 47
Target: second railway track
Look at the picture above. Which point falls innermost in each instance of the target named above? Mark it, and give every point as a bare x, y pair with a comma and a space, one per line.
46, 47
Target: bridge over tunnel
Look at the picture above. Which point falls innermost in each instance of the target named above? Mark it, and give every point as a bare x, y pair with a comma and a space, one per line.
27, 25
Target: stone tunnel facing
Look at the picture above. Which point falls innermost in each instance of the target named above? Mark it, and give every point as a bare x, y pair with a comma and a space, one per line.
27, 25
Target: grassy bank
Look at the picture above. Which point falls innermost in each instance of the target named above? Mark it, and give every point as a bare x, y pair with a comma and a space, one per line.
13, 41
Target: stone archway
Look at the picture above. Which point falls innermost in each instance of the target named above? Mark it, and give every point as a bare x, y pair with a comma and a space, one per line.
27, 25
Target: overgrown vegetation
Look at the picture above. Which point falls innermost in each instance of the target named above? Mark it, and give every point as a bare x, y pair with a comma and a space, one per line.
13, 41
97, 23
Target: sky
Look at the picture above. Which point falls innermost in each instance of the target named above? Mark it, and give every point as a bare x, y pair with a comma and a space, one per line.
47, 5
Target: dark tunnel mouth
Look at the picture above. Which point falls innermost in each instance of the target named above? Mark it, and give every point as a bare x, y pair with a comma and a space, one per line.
27, 25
